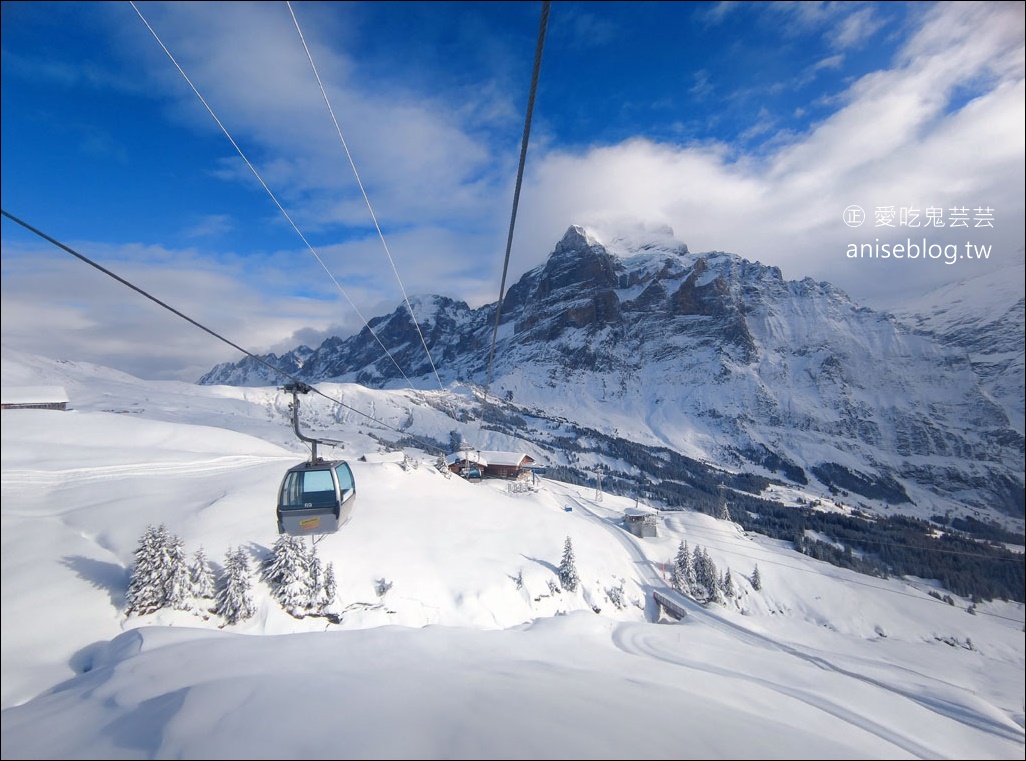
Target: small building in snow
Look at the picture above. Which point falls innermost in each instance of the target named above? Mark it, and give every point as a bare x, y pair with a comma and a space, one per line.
491, 463
33, 398
507, 464
640, 521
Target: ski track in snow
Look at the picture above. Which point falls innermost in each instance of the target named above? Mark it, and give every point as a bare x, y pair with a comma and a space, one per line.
636, 641
15, 479
651, 577
626, 539
646, 643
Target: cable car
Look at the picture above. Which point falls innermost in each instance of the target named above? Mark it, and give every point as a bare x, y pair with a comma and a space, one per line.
318, 496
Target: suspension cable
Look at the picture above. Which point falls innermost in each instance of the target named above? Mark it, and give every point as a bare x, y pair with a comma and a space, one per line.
520, 176
271, 194
218, 336
338, 129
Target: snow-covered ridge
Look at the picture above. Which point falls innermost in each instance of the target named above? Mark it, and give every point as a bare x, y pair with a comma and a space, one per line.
717, 357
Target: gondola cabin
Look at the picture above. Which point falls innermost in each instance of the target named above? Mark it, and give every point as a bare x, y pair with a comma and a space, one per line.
316, 498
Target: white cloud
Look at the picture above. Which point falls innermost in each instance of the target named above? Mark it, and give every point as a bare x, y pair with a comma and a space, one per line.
856, 28
57, 305
830, 62
211, 225
416, 153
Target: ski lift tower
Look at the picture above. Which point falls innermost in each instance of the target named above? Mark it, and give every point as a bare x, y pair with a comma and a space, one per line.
598, 483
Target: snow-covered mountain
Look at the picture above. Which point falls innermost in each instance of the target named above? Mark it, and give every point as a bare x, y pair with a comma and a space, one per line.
722, 360
983, 316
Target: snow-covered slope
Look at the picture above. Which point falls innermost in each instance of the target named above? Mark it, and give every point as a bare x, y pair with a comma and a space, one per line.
984, 317
438, 651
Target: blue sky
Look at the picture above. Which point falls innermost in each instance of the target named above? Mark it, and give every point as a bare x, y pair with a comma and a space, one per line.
745, 127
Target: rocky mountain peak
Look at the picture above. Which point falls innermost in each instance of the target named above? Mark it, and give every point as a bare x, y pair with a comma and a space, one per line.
721, 357
575, 240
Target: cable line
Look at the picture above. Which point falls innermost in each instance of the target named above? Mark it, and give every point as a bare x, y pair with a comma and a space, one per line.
218, 336
485, 395
338, 129
520, 176
271, 194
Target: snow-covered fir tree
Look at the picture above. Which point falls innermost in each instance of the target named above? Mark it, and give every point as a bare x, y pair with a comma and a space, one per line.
287, 570
146, 587
712, 578
330, 586
756, 579
201, 578
233, 600
178, 585
727, 586
568, 577
698, 588
315, 599
706, 586
682, 575
160, 575
723, 513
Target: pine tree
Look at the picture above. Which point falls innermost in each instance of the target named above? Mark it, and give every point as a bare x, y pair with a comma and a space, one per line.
676, 580
727, 586
315, 599
568, 577
682, 576
723, 513
201, 577
233, 601
287, 570
177, 586
698, 589
161, 576
712, 577
707, 577
330, 586
147, 585
756, 579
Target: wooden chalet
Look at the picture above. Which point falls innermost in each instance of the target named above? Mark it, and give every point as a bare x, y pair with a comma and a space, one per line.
491, 463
